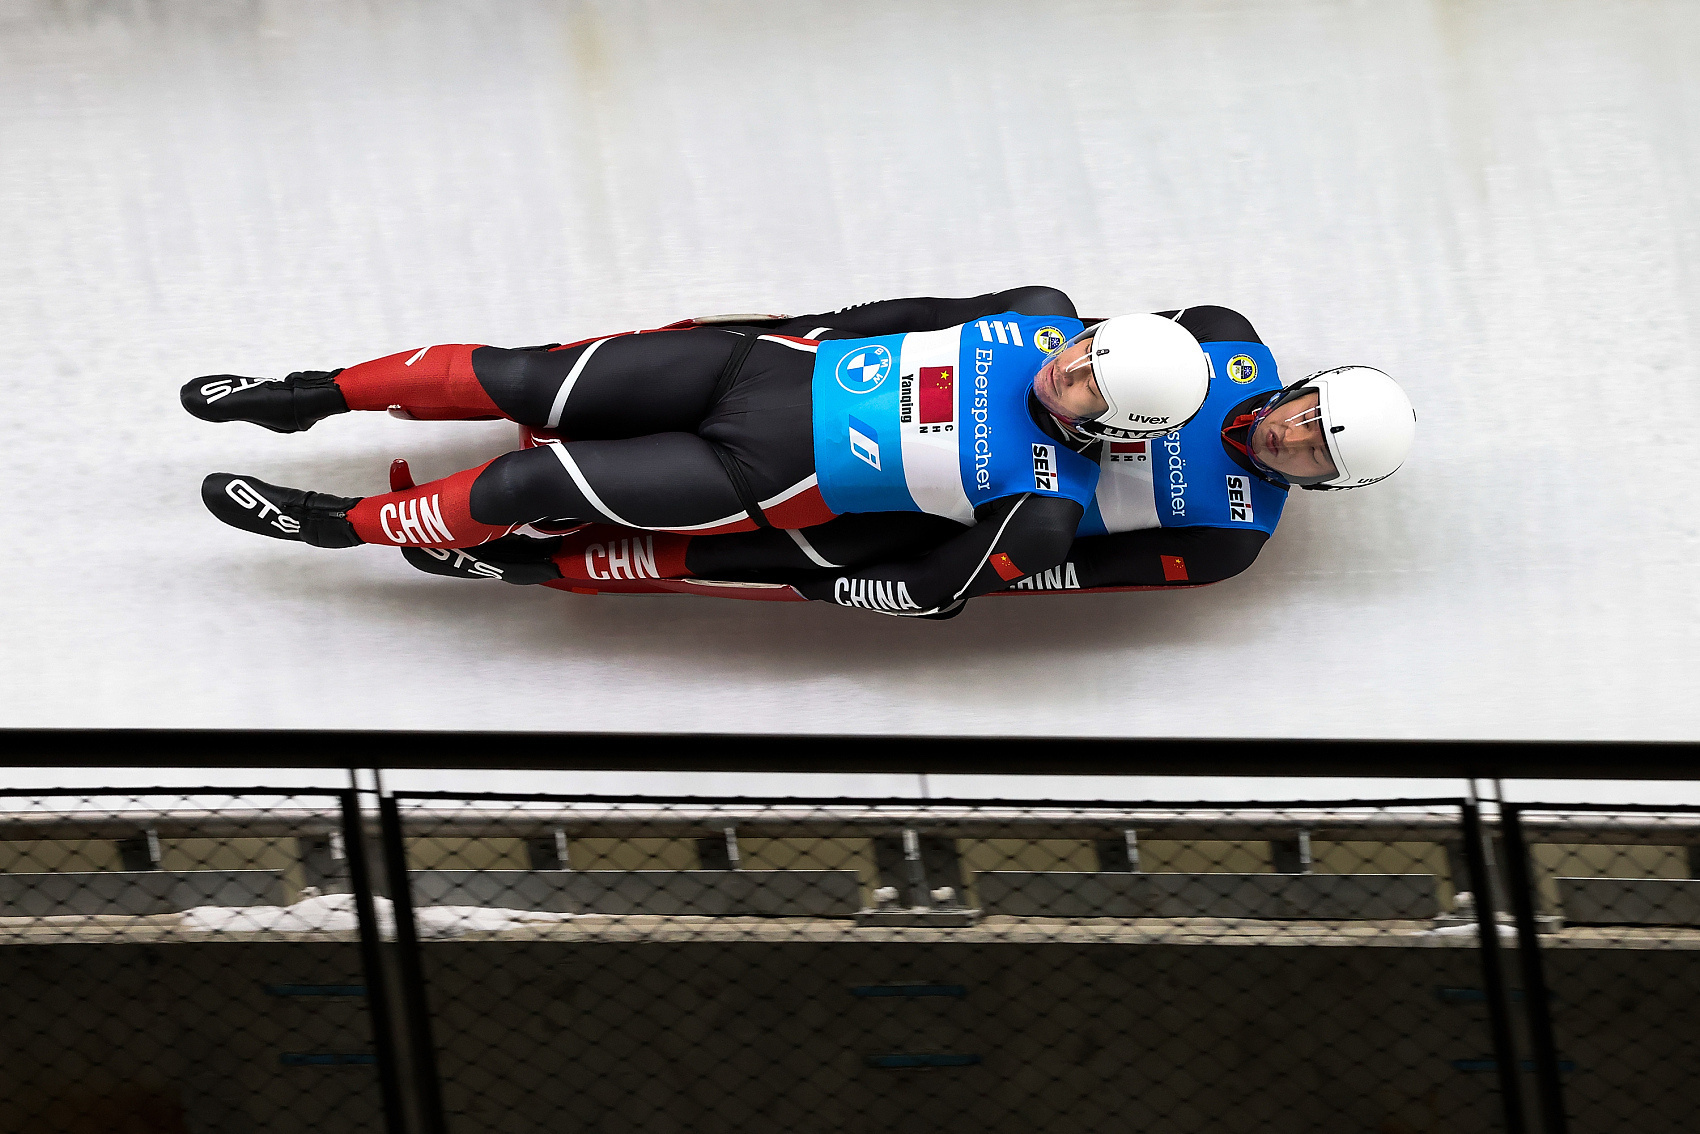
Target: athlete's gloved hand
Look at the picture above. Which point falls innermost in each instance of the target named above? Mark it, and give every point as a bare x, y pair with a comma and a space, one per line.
1012, 537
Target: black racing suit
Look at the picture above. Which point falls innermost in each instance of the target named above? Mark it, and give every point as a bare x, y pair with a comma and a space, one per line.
1141, 558
940, 562
757, 427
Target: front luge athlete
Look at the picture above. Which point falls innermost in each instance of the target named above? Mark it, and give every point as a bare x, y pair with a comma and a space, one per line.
1195, 506
984, 411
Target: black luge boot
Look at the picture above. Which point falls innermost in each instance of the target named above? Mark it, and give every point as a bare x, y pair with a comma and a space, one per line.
283, 405
512, 559
251, 504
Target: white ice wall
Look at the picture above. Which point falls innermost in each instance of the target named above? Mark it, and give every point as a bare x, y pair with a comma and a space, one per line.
1495, 202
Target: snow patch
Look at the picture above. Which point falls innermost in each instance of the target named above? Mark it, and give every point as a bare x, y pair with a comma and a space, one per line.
335, 913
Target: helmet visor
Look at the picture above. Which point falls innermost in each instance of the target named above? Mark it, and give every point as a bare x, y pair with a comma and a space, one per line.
1083, 363
1298, 436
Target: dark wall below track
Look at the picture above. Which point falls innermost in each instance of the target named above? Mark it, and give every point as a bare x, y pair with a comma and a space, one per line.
754, 1036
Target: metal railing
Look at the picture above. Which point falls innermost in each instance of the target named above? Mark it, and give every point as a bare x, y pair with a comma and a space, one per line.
263, 959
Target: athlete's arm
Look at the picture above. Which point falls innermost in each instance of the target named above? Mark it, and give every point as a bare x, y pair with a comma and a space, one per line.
1011, 538
1214, 324
853, 540
901, 316
1159, 557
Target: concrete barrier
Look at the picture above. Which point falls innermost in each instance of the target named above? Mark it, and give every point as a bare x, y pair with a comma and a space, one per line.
1357, 897
1629, 901
137, 891
717, 893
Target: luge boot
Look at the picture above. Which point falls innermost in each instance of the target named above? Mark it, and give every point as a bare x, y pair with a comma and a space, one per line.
251, 504
283, 405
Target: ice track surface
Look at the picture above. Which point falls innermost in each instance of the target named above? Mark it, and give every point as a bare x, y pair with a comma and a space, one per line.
1495, 202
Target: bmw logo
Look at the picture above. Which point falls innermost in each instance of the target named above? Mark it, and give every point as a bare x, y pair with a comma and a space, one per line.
863, 369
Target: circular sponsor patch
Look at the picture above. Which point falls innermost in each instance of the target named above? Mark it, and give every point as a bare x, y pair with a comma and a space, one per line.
863, 369
1049, 339
1242, 368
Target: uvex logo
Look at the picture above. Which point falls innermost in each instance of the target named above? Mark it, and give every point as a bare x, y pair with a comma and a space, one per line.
419, 518
629, 558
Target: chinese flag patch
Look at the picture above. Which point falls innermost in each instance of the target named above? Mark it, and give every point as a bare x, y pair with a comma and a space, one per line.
1007, 570
1174, 569
937, 394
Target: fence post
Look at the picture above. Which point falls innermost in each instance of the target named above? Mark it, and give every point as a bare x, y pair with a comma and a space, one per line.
371, 962
1493, 982
1536, 1002
416, 1005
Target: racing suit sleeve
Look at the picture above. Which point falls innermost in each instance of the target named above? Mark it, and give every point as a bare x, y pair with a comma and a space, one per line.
1211, 324
900, 316
1158, 557
1012, 537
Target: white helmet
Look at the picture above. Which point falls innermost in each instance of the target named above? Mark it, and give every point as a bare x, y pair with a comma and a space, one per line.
1367, 420
1151, 371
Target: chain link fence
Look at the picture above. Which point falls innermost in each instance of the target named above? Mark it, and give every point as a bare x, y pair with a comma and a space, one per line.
176, 962
227, 961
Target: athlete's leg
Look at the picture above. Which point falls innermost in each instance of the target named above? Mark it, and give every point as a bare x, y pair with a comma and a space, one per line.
622, 386
754, 457
433, 383
645, 398
768, 556
662, 481
764, 427
430, 383
597, 552
857, 540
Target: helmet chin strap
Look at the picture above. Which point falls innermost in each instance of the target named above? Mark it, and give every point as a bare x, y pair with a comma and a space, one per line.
1079, 441
1069, 426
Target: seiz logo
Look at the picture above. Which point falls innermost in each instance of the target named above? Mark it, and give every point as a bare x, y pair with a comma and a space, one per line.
629, 558
1044, 468
872, 594
213, 391
864, 442
1063, 578
420, 520
245, 494
998, 327
1239, 499
463, 561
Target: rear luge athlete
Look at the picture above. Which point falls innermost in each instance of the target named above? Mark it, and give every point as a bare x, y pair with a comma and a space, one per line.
1192, 507
986, 411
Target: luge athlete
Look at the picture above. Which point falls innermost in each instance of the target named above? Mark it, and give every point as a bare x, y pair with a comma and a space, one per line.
1192, 507
984, 411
